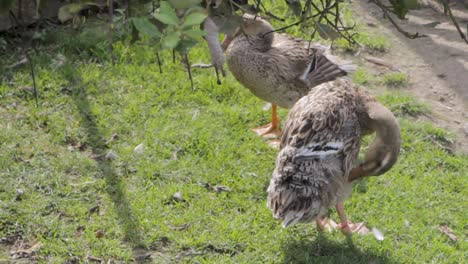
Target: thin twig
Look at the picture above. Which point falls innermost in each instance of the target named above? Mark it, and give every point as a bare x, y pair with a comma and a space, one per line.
462, 35
189, 70
341, 30
387, 15
159, 62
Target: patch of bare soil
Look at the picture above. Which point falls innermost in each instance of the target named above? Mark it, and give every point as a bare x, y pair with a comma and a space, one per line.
437, 65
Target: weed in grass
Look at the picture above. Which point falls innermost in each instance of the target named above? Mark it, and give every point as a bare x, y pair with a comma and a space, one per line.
395, 79
362, 77
402, 104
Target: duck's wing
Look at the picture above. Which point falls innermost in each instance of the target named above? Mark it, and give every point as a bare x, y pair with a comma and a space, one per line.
324, 67
320, 143
313, 63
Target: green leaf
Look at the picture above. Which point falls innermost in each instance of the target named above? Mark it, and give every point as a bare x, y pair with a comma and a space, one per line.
67, 12
401, 7
185, 44
194, 19
412, 4
145, 27
295, 6
194, 33
327, 32
167, 14
171, 40
182, 4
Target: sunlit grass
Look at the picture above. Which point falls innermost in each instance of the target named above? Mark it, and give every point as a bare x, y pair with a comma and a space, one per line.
58, 187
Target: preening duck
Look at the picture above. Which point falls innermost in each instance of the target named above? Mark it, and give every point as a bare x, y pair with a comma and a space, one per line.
319, 150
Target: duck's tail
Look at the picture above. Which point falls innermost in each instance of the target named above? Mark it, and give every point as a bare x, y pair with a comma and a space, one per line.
305, 184
325, 67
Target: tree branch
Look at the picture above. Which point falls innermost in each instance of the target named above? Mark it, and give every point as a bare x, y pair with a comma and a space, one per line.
395, 24
462, 35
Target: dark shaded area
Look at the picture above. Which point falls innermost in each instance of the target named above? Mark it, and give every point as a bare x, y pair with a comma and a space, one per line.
322, 250
115, 187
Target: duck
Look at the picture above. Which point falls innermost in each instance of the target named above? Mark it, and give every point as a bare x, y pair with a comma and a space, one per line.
278, 68
318, 158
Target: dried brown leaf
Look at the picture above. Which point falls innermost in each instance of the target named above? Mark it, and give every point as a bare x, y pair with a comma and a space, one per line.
447, 231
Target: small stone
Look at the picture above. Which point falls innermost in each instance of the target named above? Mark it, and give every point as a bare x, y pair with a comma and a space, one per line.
178, 197
377, 234
140, 149
407, 224
111, 155
19, 194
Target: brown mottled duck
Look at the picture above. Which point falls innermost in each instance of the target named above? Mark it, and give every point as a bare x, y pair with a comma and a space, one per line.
319, 149
278, 68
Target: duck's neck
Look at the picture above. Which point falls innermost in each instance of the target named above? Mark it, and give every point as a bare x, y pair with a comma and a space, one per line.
263, 39
384, 150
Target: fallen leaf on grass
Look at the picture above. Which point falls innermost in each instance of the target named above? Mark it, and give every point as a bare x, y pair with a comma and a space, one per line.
95, 259
218, 188
188, 253
18, 63
100, 234
79, 230
25, 250
449, 232
141, 255
180, 227
26, 89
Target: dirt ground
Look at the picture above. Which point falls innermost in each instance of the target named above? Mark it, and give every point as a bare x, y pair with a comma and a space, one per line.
437, 65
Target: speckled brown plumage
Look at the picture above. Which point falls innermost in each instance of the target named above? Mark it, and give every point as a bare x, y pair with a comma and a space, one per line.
320, 146
278, 68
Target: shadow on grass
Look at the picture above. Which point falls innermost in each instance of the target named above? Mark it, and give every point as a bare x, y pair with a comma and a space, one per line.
322, 250
115, 187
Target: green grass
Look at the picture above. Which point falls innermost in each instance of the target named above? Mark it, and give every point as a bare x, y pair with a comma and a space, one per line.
362, 77
395, 79
77, 203
403, 104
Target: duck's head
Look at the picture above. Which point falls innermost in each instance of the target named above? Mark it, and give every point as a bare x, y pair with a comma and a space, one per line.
384, 150
253, 25
257, 29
